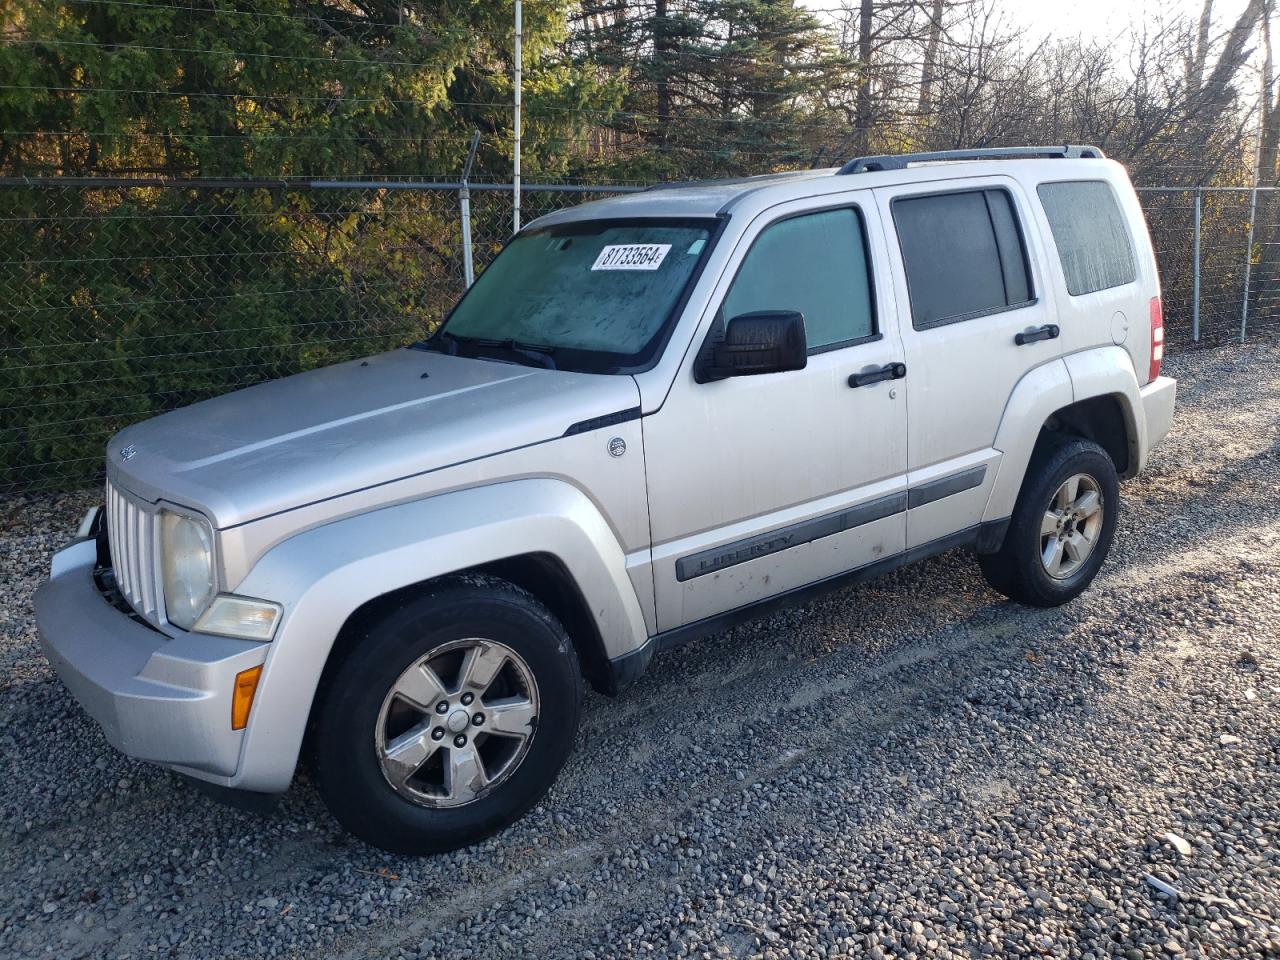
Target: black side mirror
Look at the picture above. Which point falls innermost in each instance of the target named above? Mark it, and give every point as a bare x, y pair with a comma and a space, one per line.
767, 341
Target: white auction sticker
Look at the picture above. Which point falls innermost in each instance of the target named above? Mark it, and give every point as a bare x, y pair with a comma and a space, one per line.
631, 256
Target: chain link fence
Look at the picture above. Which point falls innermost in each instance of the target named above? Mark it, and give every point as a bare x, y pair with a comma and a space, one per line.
122, 299
1212, 244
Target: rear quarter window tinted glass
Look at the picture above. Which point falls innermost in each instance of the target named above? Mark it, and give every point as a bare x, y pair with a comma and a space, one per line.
1090, 233
963, 255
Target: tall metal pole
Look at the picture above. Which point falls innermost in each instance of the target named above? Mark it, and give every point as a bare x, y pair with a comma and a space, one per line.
1253, 213
464, 198
1248, 261
1195, 275
515, 153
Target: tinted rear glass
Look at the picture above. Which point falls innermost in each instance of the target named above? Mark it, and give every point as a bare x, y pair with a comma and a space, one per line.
1091, 235
963, 255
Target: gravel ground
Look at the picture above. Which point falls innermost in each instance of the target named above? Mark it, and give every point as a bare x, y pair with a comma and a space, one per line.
913, 768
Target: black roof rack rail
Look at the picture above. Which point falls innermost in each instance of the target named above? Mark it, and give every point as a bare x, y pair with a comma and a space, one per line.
901, 161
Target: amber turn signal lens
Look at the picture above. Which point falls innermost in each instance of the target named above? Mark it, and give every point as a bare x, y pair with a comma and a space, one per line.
242, 696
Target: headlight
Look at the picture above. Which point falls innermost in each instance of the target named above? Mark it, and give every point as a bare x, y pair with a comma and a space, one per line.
186, 562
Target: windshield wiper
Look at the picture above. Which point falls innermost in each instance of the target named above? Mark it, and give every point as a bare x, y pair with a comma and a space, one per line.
452, 344
539, 353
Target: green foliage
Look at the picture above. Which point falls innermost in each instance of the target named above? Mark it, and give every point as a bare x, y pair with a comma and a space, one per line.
275, 88
122, 303
714, 87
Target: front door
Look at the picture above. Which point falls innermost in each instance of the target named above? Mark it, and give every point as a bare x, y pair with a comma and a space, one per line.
762, 484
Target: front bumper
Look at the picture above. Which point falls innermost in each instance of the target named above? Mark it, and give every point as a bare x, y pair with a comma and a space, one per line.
158, 698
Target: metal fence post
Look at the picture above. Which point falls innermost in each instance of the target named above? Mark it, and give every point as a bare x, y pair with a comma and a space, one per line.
1248, 263
464, 200
517, 121
1195, 273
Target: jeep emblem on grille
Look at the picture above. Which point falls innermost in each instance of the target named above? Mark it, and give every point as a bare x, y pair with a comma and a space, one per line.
128, 452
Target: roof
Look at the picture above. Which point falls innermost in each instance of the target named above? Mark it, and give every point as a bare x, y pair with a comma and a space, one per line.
692, 198
710, 198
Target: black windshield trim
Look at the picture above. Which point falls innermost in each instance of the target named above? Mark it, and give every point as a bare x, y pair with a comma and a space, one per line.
600, 361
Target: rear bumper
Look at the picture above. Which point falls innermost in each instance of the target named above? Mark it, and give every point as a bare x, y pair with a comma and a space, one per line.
1158, 398
161, 699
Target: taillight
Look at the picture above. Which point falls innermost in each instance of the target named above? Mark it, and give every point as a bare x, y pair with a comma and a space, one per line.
1157, 338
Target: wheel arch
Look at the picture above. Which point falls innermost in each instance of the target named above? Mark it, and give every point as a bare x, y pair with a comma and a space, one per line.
1093, 395
1104, 420
540, 534
545, 576
1106, 406
542, 575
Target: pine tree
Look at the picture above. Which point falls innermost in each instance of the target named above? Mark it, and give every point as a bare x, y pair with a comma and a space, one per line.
277, 88
714, 87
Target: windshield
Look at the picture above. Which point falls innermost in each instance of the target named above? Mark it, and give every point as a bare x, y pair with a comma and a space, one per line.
592, 296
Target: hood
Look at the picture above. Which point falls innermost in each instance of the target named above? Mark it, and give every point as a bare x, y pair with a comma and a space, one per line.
343, 428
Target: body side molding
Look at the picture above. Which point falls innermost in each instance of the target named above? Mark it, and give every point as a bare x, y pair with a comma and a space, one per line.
806, 531
946, 486
794, 535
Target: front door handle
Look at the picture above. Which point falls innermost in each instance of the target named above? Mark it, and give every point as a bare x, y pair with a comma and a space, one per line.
1049, 331
890, 371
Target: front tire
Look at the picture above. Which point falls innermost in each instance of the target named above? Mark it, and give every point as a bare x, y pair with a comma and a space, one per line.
448, 718
1062, 526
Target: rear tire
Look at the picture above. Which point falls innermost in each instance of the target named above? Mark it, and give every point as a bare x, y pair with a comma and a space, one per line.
1062, 526
448, 718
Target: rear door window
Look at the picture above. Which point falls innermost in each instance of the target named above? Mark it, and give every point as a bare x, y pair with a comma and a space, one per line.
963, 254
1091, 235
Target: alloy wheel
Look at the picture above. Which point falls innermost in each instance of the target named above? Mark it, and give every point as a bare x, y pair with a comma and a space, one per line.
1071, 526
457, 723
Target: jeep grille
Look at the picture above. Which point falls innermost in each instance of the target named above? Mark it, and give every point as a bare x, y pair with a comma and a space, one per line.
131, 533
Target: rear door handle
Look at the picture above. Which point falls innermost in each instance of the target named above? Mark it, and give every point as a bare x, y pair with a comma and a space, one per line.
1049, 331
890, 371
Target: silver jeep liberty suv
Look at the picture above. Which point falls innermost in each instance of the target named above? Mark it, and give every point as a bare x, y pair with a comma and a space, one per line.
650, 416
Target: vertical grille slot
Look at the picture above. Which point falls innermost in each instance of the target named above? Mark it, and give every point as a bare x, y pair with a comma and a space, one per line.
132, 536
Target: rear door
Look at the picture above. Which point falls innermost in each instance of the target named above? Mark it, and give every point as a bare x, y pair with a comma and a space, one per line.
975, 318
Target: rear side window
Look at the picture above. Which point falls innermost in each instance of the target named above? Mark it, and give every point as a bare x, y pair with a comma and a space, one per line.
816, 264
963, 254
1091, 235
